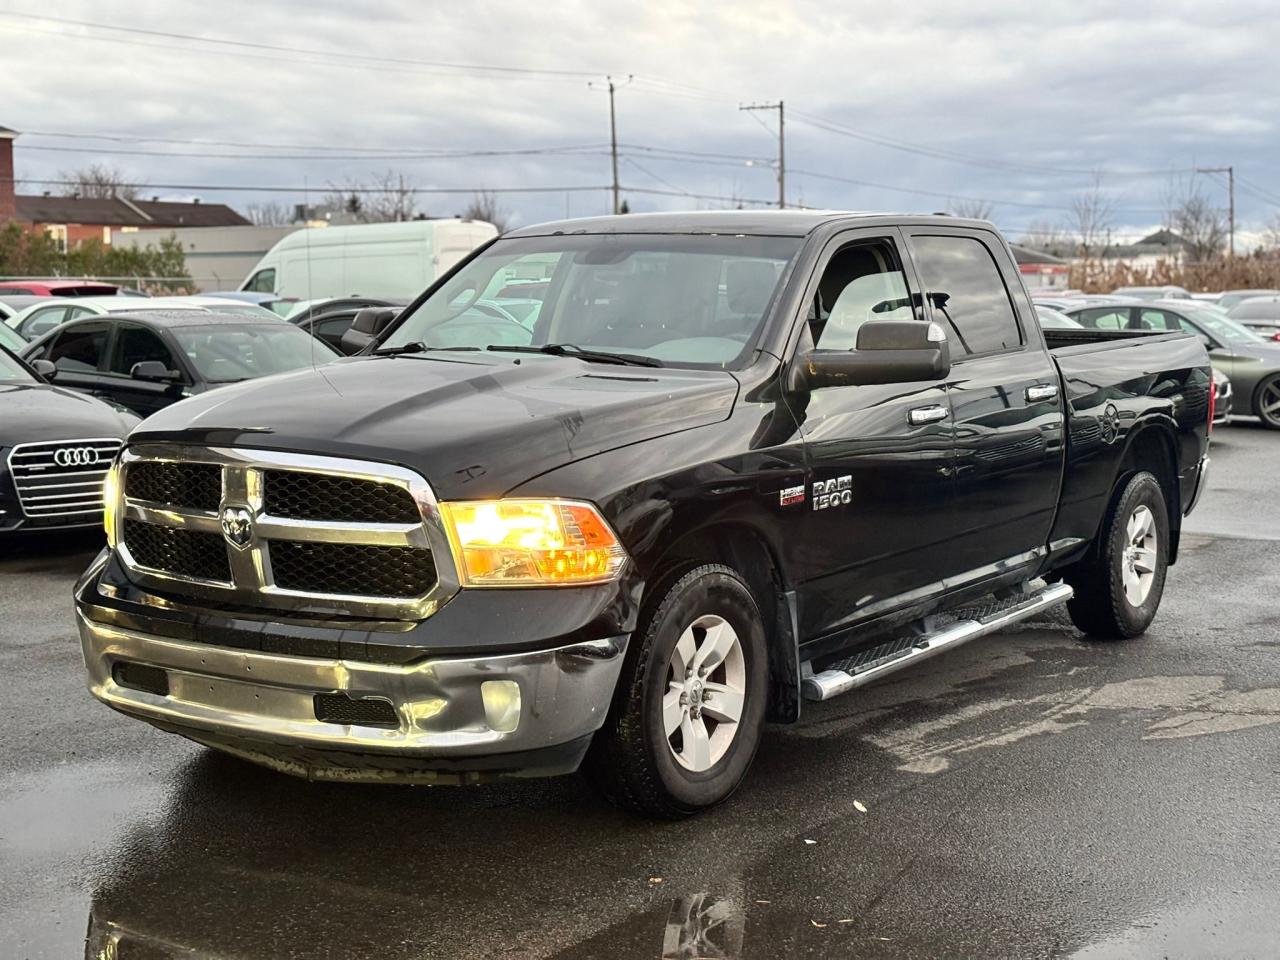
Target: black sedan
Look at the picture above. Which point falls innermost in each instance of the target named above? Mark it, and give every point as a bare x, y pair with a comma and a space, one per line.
1251, 363
148, 360
55, 447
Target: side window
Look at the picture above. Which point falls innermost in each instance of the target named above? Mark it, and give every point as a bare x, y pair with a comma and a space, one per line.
42, 321
137, 345
264, 281
963, 283
1159, 320
863, 281
78, 349
1105, 318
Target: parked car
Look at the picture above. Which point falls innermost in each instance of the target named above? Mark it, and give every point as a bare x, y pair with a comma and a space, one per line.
280, 306
40, 318
1259, 314
148, 359
656, 520
306, 309
1051, 319
1251, 363
1222, 397
330, 325
1167, 292
59, 288
379, 259
11, 304
1232, 297
224, 305
55, 448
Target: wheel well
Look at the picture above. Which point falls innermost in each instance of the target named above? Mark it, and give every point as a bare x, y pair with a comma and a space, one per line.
745, 550
1153, 450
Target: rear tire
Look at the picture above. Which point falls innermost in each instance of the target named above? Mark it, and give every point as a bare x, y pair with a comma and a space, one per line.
1117, 592
671, 745
1266, 402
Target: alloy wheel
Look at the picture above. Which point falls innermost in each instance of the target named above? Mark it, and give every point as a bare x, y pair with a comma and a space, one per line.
1138, 563
706, 689
1269, 402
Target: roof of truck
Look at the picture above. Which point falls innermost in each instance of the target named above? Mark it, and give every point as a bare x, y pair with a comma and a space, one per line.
795, 223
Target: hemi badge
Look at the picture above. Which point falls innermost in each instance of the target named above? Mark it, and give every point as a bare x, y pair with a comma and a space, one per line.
790, 495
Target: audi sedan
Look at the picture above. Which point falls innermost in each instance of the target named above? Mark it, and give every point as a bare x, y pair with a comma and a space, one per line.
150, 359
55, 447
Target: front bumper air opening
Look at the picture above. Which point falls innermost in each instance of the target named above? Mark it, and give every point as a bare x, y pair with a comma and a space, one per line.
137, 676
364, 712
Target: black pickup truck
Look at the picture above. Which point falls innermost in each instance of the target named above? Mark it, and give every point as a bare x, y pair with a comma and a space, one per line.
730, 462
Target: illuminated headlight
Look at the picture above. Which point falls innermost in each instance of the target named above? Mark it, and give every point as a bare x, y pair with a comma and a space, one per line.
531, 543
111, 504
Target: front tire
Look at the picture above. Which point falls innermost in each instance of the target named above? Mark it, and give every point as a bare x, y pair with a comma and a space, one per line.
689, 708
1117, 592
1266, 402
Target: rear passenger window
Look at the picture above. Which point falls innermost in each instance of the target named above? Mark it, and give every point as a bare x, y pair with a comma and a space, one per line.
1160, 320
79, 349
963, 283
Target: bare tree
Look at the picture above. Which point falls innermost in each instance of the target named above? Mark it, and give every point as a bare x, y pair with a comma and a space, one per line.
99, 181
269, 214
1091, 216
971, 209
485, 206
1202, 227
386, 197
1271, 234
1045, 235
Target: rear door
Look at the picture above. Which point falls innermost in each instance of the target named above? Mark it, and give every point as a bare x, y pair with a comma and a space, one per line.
1004, 388
880, 457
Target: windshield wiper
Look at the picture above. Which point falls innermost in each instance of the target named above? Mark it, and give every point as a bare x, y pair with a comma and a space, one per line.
591, 356
416, 346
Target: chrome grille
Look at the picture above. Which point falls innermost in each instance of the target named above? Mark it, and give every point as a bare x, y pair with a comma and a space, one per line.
287, 531
60, 481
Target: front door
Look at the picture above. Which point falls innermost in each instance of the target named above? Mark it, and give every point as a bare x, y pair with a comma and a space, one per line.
1004, 388
79, 351
136, 344
879, 457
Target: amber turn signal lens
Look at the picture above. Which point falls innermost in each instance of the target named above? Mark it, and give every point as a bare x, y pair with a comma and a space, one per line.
516, 543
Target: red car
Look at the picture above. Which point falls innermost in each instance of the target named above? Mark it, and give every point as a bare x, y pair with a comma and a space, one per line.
59, 288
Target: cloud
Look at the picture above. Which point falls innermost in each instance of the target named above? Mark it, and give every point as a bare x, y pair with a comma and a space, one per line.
1002, 101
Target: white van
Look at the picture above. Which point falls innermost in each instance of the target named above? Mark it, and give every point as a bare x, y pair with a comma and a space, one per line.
367, 259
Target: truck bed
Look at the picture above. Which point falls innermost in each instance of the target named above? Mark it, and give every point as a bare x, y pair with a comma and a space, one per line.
1057, 340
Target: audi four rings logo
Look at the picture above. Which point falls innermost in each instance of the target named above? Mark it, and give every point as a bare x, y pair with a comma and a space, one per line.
75, 456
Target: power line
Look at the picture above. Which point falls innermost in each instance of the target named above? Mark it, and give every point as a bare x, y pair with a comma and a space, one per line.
576, 150
258, 188
328, 54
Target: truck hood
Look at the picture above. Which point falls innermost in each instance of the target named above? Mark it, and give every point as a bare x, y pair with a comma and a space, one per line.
38, 411
475, 425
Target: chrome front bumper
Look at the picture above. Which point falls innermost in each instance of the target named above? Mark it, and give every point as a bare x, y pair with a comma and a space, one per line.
263, 706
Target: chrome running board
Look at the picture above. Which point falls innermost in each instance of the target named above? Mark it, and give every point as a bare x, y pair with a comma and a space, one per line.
867, 666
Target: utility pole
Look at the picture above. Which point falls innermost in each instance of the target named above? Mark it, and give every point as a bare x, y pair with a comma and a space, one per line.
613, 146
782, 146
1230, 171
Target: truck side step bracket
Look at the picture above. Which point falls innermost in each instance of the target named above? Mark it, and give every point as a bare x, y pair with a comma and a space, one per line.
970, 622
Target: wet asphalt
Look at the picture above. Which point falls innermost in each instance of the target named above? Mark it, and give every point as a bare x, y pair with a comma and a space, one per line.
1029, 795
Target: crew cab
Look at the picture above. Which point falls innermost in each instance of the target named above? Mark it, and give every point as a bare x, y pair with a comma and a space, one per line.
738, 460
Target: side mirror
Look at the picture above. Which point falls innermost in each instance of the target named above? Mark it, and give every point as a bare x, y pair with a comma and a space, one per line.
369, 322
889, 351
153, 371
46, 368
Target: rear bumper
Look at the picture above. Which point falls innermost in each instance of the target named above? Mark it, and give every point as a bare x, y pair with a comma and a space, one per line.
454, 719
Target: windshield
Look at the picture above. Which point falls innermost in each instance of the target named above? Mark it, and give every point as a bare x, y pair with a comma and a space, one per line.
11, 339
1220, 327
11, 370
695, 301
227, 352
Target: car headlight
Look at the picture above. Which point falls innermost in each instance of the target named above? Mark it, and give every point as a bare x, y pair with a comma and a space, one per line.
111, 504
516, 543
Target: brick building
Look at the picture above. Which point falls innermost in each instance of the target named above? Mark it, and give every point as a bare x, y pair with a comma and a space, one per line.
72, 220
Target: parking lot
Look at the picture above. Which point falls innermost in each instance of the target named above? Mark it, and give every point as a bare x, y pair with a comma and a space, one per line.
1028, 795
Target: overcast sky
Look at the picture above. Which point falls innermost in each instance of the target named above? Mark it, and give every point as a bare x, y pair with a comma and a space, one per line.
1011, 102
